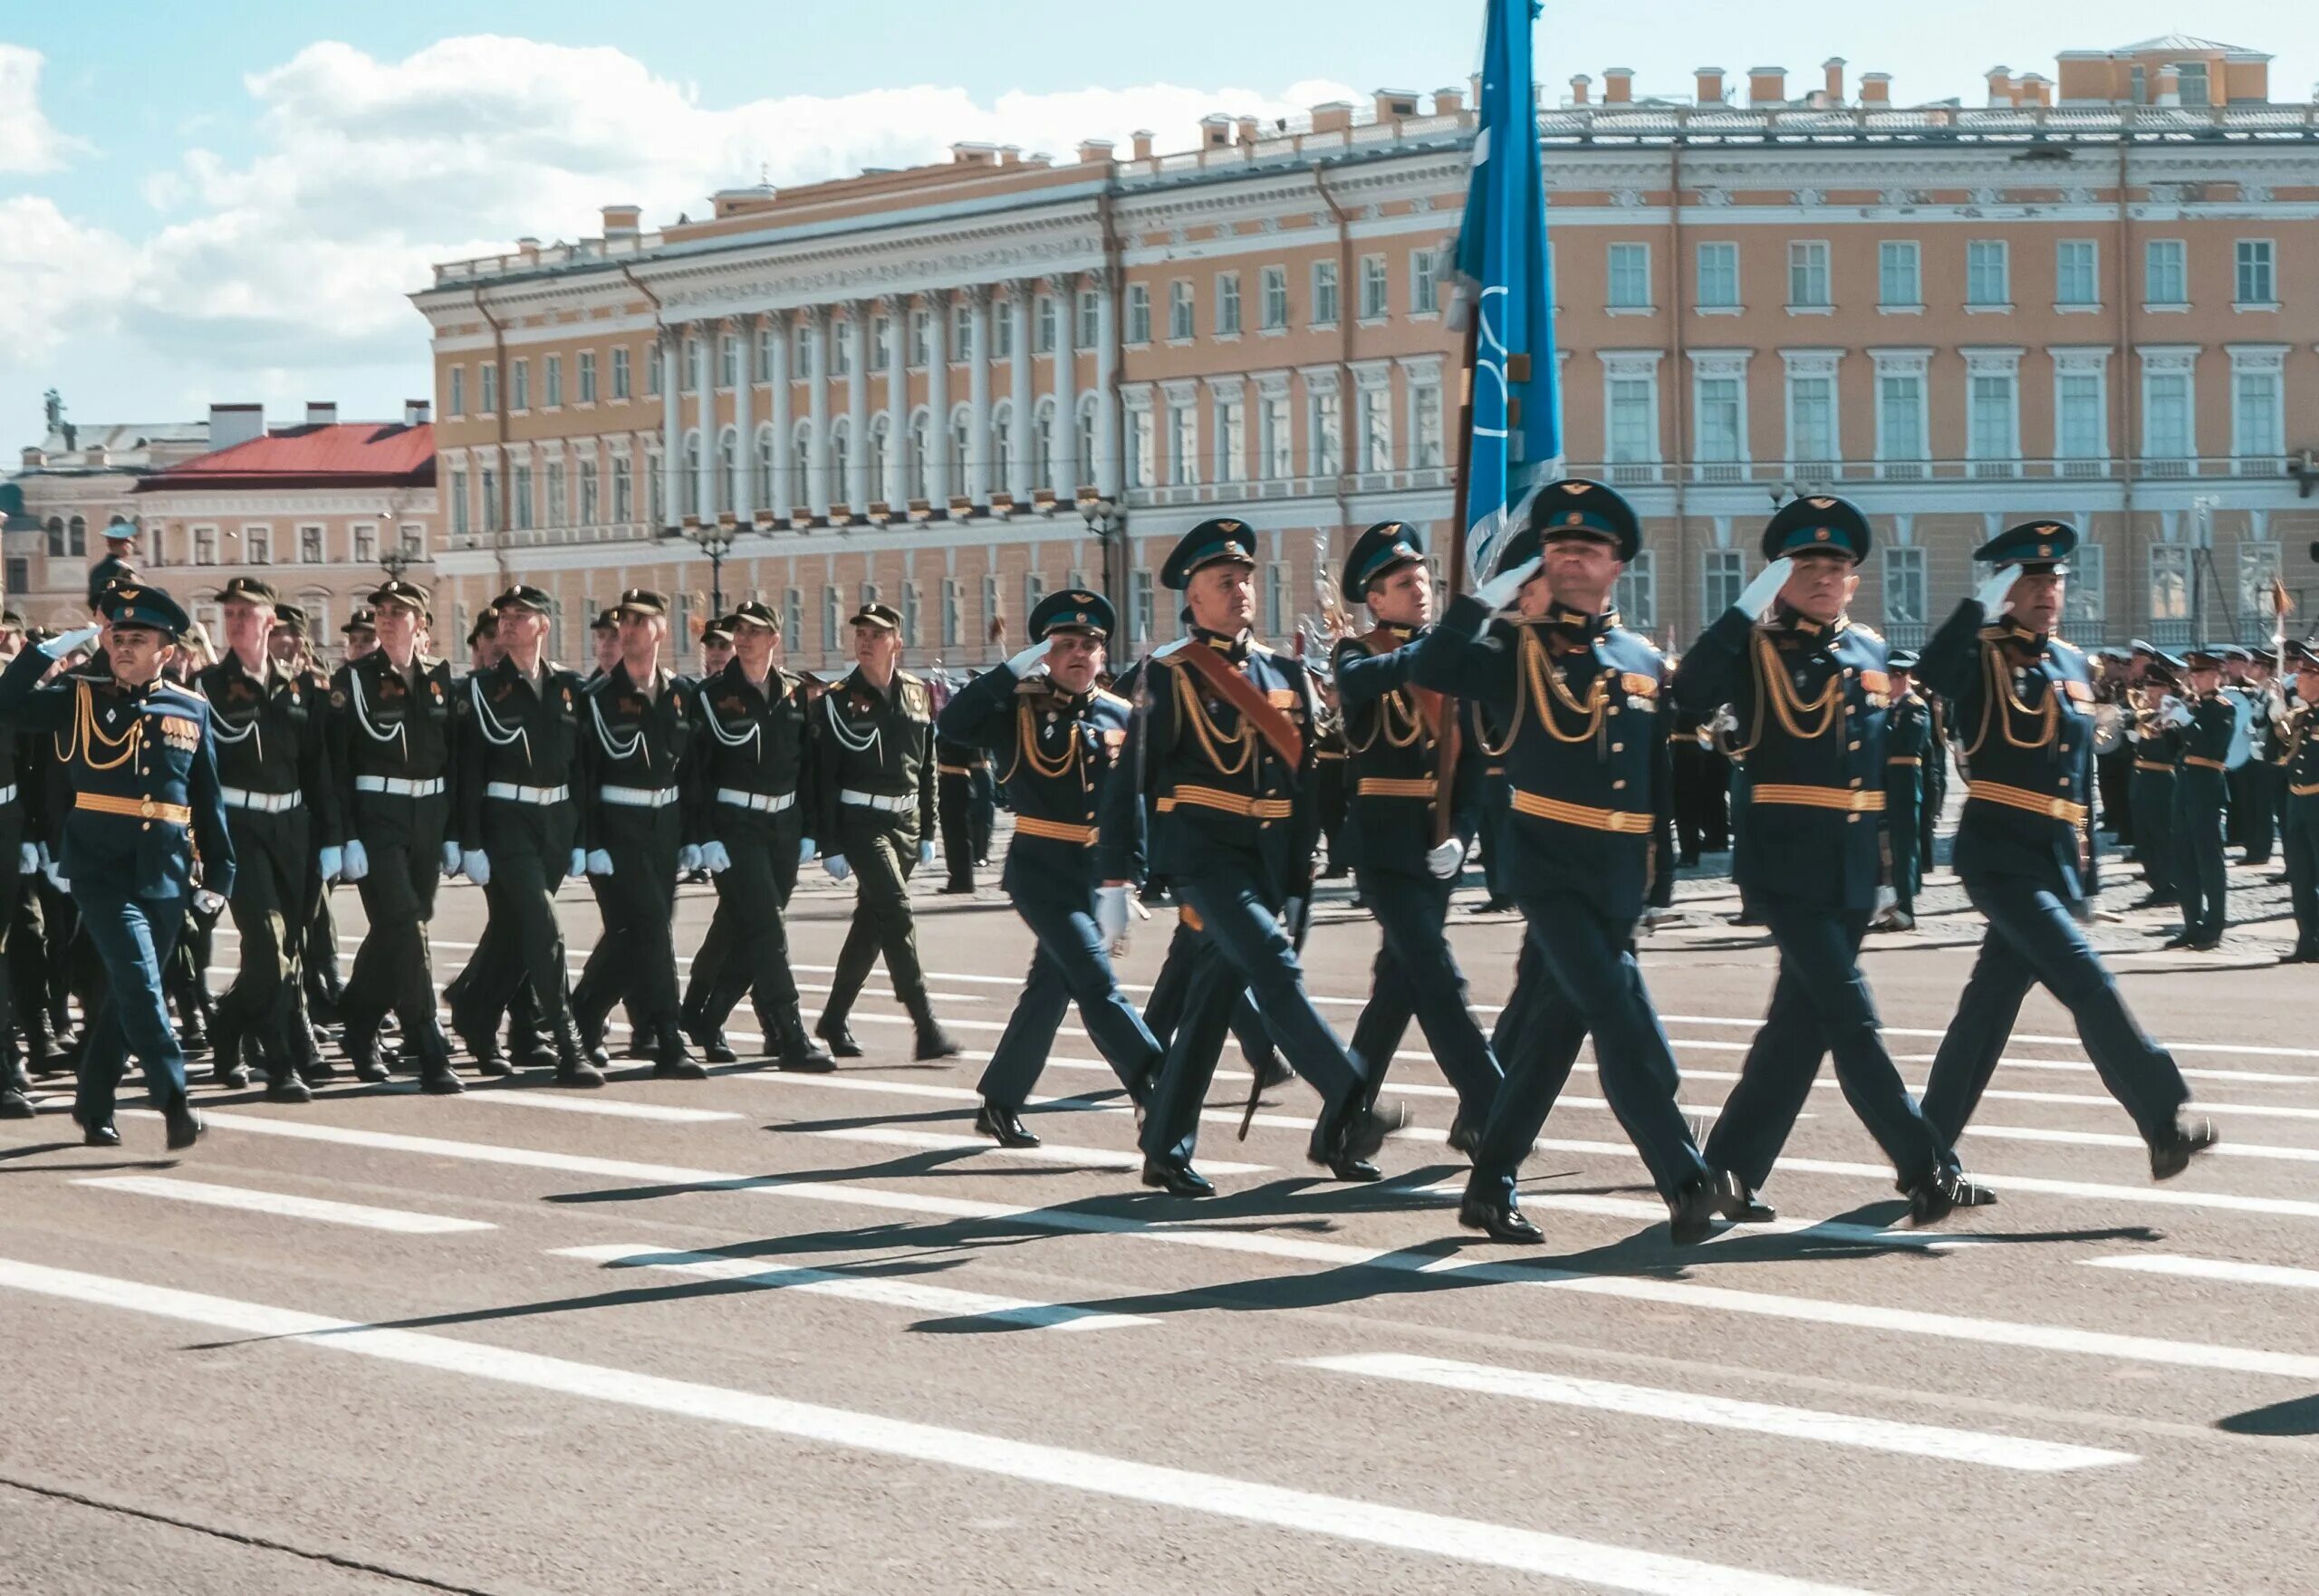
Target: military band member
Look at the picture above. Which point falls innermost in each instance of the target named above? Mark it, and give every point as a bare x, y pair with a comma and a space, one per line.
1811, 691
2158, 749
1907, 749
1055, 739
1584, 702
2296, 731
137, 779
2025, 846
2208, 721
521, 831
391, 732
874, 815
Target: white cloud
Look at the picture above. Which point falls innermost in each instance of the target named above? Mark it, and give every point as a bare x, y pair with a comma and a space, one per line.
29, 141
63, 279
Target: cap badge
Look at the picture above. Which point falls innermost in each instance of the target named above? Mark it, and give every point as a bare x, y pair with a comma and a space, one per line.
1821, 503
1573, 519
1574, 487
1820, 535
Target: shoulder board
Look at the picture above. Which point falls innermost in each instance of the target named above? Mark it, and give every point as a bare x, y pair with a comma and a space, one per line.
1165, 653
1113, 699
904, 676
2070, 651
1992, 634
426, 662
1257, 648
1867, 631
1032, 688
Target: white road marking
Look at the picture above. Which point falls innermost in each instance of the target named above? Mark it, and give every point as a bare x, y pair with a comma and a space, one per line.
611, 1107
1678, 1293
1800, 1424
894, 1291
1093, 1158
2210, 1269
284, 1204
1830, 1230
2203, 1105
2231, 1150
1371, 1524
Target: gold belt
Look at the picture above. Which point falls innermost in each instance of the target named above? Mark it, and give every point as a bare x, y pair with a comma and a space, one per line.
2202, 763
1906, 759
1054, 830
1327, 753
177, 814
1229, 802
954, 770
1398, 786
1851, 800
2153, 765
1623, 822
2023, 799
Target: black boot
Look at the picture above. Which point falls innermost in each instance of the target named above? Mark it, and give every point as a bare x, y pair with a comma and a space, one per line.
572, 1065
670, 1062
1003, 1125
360, 1038
186, 1127
2192, 1135
1500, 1219
1691, 1213
482, 1044
831, 1029
312, 1068
226, 1064
709, 1038
793, 1049
283, 1085
15, 1092
1737, 1201
436, 1074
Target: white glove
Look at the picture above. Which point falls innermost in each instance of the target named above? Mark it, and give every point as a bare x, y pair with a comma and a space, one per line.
1888, 899
477, 865
1446, 859
71, 642
206, 902
688, 858
584, 862
716, 860
1992, 594
354, 860
837, 867
1758, 595
450, 860
926, 853
2176, 713
1498, 591
1030, 658
805, 852
28, 859
1111, 914
332, 862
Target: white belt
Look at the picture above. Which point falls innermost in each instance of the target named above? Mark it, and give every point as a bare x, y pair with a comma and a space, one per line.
8, 795
638, 797
516, 794
899, 805
399, 786
760, 802
264, 803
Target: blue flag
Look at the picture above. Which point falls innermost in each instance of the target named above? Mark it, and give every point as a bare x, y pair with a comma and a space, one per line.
1504, 281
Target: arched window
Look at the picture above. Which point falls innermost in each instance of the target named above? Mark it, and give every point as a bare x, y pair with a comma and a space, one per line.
1002, 445
881, 443
57, 537
762, 497
800, 463
962, 448
728, 471
841, 452
1084, 460
1042, 444
921, 456
77, 541
689, 491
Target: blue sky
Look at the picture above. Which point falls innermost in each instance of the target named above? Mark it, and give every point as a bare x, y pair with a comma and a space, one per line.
228, 201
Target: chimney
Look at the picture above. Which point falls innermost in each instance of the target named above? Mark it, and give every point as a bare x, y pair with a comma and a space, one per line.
1248, 131
2169, 86
1094, 151
1143, 144
1334, 116
966, 154
1215, 131
233, 424
624, 221
1710, 85
1449, 102
34, 458
2000, 85
2037, 88
1766, 85
1578, 84
1876, 89
322, 412
416, 412
1618, 85
1834, 67
1010, 155
529, 248
1393, 104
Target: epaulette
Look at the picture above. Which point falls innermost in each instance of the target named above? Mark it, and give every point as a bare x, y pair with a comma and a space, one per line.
904, 676
1102, 696
1994, 634
1165, 654
1866, 630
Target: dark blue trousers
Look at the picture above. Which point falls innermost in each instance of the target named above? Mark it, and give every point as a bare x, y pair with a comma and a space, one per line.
134, 937
1820, 1006
2300, 836
1069, 966
2153, 807
1587, 982
1416, 975
2034, 940
2199, 879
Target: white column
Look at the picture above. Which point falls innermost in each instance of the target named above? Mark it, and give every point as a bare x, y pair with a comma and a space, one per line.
710, 333
1103, 470
785, 492
817, 382
978, 477
896, 307
744, 443
672, 452
857, 411
1018, 316
1065, 441
937, 399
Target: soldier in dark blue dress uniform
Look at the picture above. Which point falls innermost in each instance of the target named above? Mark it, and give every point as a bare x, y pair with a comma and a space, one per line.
1220, 756
1811, 691
145, 829
1054, 740
2025, 848
2157, 744
1584, 704
2297, 733
1909, 747
2208, 721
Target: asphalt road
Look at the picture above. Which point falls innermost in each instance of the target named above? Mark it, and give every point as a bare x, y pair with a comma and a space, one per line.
781, 1333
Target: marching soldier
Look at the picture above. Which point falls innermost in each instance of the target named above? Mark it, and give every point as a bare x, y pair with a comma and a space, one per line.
604, 637
521, 832
1811, 691
24, 1031
2158, 746
361, 633
956, 768
2298, 733
1393, 731
1935, 797
391, 731
483, 641
1908, 745
636, 734
1054, 738
2207, 721
1586, 759
139, 780
716, 647
2025, 848
873, 813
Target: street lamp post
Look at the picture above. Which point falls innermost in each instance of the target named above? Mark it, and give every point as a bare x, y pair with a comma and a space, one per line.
715, 539
1105, 519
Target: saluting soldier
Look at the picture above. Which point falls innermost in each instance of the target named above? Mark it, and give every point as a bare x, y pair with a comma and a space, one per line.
1908, 746
637, 737
749, 786
1405, 855
521, 828
391, 734
139, 780
2208, 720
1055, 739
1587, 714
2296, 731
2025, 846
1811, 691
269, 726
873, 813
1221, 755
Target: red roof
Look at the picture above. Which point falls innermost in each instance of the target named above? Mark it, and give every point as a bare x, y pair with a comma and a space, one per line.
342, 454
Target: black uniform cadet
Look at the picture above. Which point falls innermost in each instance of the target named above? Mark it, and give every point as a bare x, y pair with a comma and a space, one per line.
2024, 702
1587, 714
2296, 733
391, 732
270, 728
1812, 695
1393, 731
20, 1055
138, 775
1909, 747
2158, 750
1055, 751
958, 769
749, 786
873, 765
2208, 721
519, 770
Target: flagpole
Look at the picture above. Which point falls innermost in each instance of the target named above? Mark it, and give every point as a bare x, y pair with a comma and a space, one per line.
1449, 750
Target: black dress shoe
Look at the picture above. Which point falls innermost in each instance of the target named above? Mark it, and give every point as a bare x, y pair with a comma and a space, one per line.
288, 1088
1357, 1171
236, 1075
840, 1039
712, 1044
440, 1080
1004, 1126
102, 1135
1464, 1136
1177, 1179
685, 1069
1737, 1201
579, 1073
315, 1072
186, 1127
1691, 1217
1502, 1221
16, 1105
2174, 942
935, 1043
2202, 945
1933, 1200
2192, 1135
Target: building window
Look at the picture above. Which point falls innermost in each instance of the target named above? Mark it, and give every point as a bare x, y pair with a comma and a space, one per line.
455, 398
1328, 435
962, 333
1231, 439
2258, 286
459, 511
2170, 583
1631, 436
2165, 270
623, 493
205, 545
801, 353
1900, 276
2082, 430
1723, 579
1993, 428
1807, 277
1376, 428
1722, 438
993, 616
2190, 79
2255, 424
257, 545
519, 387
1374, 289
1907, 591
2166, 416
1002, 331
490, 499
2258, 571
20, 573
1139, 313
590, 492
524, 503
559, 500
654, 378
553, 378
1812, 423
1324, 293
1276, 600
2077, 272
1276, 441
1719, 265
1900, 418
1424, 283
587, 376
366, 544
841, 346
309, 544
1988, 273
1425, 409
1034, 588
1227, 304
910, 614
1183, 446
1630, 277
792, 615
490, 390
1179, 312
1042, 341
1139, 448
952, 622
1090, 314
1275, 292
1636, 596
2085, 607
1141, 602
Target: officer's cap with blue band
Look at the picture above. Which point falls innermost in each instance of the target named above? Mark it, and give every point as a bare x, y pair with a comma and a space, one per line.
1072, 610
2034, 545
1380, 551
126, 603
1820, 524
1220, 538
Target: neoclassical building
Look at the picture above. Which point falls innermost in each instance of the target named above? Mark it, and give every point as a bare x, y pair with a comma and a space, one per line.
963, 385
